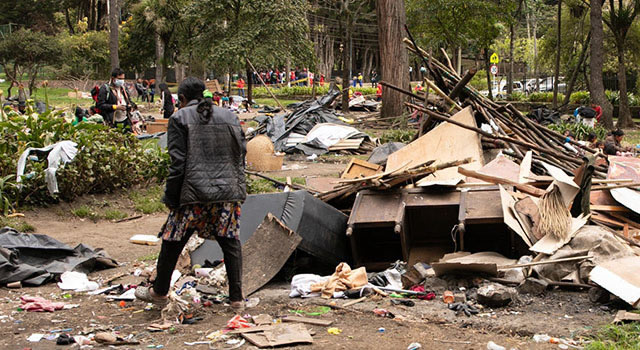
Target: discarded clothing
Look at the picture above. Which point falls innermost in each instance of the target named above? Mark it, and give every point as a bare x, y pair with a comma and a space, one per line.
208, 221
39, 304
61, 152
342, 279
35, 259
301, 285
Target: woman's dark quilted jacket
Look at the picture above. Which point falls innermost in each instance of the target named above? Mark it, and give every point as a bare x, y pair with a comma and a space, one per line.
207, 158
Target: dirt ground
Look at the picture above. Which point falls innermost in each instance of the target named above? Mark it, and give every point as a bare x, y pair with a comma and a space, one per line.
567, 314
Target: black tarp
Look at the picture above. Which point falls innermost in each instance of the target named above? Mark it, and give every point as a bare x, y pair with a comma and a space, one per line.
321, 226
35, 259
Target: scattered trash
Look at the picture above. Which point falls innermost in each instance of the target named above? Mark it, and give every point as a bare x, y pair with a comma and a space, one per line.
252, 302
320, 310
39, 304
381, 330
414, 346
76, 281
35, 337
493, 346
334, 331
383, 313
467, 309
144, 239
448, 297
238, 322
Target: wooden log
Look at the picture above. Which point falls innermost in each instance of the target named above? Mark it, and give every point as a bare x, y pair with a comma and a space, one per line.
534, 191
462, 83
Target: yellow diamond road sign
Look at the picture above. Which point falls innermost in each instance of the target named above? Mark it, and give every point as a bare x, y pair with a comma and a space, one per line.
494, 58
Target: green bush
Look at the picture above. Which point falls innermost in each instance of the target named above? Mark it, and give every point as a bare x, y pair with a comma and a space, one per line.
397, 135
517, 96
107, 159
538, 97
580, 130
286, 91
580, 98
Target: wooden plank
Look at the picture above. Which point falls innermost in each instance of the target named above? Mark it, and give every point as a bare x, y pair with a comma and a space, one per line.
626, 220
610, 208
252, 329
266, 251
502, 167
358, 168
308, 320
620, 277
444, 143
502, 181
606, 220
282, 334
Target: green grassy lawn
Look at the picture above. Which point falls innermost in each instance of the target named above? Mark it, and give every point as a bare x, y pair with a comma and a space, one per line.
616, 337
58, 97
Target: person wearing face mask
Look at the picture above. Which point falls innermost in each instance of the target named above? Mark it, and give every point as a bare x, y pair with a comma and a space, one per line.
113, 101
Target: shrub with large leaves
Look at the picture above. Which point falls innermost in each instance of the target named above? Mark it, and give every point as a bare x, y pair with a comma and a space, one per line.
107, 159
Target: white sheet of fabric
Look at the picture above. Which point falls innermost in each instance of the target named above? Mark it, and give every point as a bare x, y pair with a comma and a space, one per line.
330, 134
394, 278
301, 285
61, 152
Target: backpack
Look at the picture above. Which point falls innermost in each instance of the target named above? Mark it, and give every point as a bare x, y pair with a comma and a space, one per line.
95, 91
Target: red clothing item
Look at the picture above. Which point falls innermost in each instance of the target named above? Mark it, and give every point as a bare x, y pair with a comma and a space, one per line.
240, 84
379, 91
598, 110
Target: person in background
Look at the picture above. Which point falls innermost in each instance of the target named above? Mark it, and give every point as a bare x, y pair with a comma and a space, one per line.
136, 120
379, 92
354, 81
592, 139
374, 79
113, 101
204, 190
167, 101
321, 80
152, 89
225, 100
360, 79
216, 98
240, 84
141, 90
598, 110
613, 143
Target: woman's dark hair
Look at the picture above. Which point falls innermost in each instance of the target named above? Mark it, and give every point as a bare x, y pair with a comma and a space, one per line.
116, 71
192, 89
592, 137
164, 87
618, 132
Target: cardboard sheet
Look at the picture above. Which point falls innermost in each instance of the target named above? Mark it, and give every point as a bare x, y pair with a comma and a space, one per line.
625, 168
265, 253
549, 245
510, 216
620, 277
568, 188
525, 167
446, 142
281, 334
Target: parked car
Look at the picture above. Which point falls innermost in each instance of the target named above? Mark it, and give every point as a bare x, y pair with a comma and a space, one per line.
500, 90
546, 84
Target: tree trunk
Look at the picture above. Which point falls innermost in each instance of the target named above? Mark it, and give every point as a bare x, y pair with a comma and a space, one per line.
535, 53
249, 84
512, 39
68, 21
595, 64
624, 114
556, 74
180, 72
576, 70
487, 68
459, 63
114, 24
346, 63
159, 59
393, 54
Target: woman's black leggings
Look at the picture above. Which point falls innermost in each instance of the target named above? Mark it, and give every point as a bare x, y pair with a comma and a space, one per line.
170, 252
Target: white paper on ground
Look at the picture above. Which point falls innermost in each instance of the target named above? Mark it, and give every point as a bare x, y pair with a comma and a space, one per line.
144, 239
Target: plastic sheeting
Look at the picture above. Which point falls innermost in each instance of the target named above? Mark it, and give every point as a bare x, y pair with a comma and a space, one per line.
381, 153
321, 226
61, 152
35, 259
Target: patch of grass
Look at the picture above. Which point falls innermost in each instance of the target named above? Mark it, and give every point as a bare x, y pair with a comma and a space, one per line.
616, 337
114, 214
58, 97
85, 212
18, 224
270, 102
150, 257
631, 137
257, 186
148, 200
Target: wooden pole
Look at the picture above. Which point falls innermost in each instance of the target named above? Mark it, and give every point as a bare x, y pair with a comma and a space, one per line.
265, 85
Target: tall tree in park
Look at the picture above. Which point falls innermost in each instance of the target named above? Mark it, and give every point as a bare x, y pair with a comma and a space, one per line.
393, 54
619, 19
114, 32
471, 24
596, 63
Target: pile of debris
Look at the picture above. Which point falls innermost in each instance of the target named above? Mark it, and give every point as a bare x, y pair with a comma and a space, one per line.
313, 127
